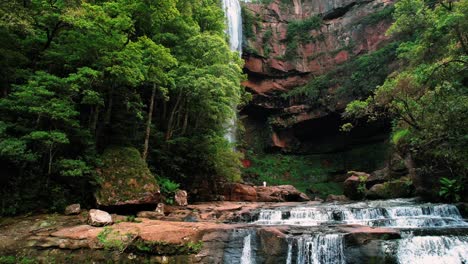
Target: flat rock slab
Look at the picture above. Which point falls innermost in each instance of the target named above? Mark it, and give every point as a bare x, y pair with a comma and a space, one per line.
359, 234
78, 232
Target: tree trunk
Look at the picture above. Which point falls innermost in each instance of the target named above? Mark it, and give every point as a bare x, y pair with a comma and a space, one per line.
171, 118
94, 120
109, 106
148, 123
184, 126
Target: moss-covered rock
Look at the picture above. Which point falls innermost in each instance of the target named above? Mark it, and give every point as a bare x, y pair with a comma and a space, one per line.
392, 189
125, 179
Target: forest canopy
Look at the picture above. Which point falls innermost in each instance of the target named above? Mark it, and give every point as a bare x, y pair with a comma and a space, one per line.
80, 76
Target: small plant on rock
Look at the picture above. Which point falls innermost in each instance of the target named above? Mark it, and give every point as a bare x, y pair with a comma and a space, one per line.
450, 189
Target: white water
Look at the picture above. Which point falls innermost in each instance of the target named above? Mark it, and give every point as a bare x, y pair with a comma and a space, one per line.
433, 250
317, 249
394, 213
246, 257
232, 11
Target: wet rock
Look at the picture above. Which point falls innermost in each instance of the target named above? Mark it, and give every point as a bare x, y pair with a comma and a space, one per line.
393, 189
150, 215
336, 198
378, 176
126, 179
180, 198
463, 208
73, 209
99, 218
397, 166
377, 192
240, 192
360, 235
281, 193
318, 199
354, 184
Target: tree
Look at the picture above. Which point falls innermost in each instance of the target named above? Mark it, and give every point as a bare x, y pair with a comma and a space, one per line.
428, 97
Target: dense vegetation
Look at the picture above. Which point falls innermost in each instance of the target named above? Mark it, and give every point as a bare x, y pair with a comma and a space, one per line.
80, 76
427, 97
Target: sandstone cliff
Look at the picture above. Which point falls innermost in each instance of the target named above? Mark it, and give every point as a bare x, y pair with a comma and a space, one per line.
289, 43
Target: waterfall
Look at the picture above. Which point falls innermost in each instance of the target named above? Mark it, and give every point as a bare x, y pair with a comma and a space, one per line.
433, 249
232, 11
246, 257
316, 249
241, 248
387, 214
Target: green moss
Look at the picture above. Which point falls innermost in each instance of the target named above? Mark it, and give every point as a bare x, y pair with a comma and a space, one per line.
124, 176
326, 188
300, 32
356, 78
277, 169
166, 249
377, 17
398, 135
306, 171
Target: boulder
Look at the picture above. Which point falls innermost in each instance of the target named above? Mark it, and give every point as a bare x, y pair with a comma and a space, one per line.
393, 189
281, 193
150, 215
240, 192
353, 185
99, 218
180, 198
126, 179
377, 192
359, 235
336, 198
378, 176
73, 209
397, 166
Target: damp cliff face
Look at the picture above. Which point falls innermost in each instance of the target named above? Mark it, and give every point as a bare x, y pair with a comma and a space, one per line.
288, 44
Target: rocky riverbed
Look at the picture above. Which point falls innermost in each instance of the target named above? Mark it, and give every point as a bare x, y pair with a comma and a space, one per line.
227, 232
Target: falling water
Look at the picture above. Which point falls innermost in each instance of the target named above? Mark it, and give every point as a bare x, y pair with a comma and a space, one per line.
390, 214
232, 11
433, 249
246, 257
316, 249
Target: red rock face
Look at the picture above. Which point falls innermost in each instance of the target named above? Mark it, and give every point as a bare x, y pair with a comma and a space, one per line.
274, 68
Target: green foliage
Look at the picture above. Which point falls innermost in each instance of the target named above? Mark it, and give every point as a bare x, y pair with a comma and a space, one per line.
281, 169
78, 77
356, 78
450, 189
114, 240
399, 135
166, 249
377, 17
427, 97
301, 32
168, 189
326, 188
250, 22
16, 260
361, 188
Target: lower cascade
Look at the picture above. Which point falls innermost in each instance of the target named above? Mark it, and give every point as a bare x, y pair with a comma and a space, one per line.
246, 257
433, 249
316, 249
401, 231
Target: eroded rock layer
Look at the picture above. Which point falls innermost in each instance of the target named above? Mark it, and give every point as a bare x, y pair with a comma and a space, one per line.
289, 43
